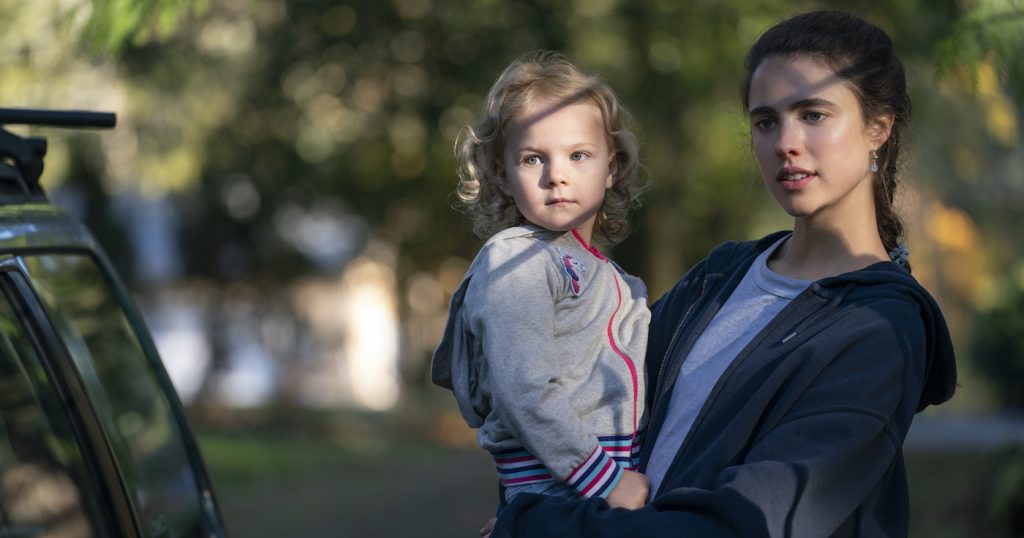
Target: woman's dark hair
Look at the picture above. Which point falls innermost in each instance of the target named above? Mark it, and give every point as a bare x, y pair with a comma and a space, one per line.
861, 54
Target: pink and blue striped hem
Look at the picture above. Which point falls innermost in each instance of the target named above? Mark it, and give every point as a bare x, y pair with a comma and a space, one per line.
594, 477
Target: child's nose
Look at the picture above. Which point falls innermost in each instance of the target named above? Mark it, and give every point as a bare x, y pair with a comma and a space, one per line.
557, 174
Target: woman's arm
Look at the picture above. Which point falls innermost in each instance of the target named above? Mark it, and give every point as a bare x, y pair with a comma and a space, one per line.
828, 456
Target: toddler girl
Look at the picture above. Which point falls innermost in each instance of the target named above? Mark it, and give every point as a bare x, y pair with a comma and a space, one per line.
545, 337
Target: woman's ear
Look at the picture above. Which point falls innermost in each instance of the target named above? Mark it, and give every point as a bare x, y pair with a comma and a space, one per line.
879, 129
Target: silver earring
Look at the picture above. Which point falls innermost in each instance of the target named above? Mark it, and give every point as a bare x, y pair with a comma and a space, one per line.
874, 162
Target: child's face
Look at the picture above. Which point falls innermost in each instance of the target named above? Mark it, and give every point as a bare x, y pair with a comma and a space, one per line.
811, 141
558, 165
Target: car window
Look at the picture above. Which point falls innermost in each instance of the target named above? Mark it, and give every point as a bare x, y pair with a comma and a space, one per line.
126, 392
45, 487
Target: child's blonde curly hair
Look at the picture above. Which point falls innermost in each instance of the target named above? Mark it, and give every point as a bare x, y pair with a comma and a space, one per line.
481, 146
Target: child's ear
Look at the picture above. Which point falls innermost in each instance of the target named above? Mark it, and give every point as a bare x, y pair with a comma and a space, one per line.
501, 180
613, 170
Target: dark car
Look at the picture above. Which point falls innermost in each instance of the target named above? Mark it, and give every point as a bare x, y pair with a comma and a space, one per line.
93, 438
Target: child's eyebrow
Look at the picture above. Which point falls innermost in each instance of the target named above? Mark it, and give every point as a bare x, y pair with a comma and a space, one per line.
532, 149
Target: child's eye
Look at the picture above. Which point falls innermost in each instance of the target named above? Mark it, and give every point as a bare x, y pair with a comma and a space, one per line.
578, 156
532, 160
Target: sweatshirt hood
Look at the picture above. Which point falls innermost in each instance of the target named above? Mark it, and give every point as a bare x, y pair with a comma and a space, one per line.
889, 278
882, 279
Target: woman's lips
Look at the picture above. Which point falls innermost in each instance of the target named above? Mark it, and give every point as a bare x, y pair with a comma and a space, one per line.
795, 180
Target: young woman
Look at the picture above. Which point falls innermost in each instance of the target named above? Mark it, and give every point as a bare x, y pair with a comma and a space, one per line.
784, 372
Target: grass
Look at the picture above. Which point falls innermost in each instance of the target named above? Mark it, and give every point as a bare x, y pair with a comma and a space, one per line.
240, 459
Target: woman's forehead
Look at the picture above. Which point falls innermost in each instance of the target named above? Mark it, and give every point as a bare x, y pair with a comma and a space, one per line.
780, 80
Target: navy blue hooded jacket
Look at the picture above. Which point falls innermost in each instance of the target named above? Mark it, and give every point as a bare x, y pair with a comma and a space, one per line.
803, 433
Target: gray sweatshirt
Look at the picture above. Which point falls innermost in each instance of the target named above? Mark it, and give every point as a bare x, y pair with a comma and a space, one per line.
543, 350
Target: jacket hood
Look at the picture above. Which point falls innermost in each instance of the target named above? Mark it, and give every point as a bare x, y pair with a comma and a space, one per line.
882, 279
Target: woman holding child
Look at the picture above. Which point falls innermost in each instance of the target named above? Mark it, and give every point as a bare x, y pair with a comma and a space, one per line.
783, 373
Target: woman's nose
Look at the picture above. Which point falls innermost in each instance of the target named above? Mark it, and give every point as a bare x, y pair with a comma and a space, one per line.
789, 139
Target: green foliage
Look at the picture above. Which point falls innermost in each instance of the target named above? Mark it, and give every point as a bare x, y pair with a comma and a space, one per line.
115, 24
352, 109
1006, 507
964, 493
997, 348
990, 30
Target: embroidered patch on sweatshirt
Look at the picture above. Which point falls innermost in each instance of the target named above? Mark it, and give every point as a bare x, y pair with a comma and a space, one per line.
574, 270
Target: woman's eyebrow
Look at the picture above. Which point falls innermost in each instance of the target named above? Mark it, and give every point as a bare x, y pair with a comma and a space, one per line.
810, 102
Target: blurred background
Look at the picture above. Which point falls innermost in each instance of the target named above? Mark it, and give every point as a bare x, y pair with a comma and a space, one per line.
278, 195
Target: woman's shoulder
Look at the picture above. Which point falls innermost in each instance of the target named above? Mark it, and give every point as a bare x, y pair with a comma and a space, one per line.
880, 282
891, 304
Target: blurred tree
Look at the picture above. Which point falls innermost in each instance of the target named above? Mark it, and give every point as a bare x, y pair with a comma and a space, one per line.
111, 25
989, 30
289, 134
997, 348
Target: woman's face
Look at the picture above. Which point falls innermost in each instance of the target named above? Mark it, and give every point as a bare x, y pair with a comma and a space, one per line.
811, 141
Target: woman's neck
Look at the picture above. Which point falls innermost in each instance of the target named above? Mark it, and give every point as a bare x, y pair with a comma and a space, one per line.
817, 250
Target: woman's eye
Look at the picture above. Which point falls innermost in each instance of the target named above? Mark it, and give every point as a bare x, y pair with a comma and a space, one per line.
814, 116
532, 160
578, 156
764, 124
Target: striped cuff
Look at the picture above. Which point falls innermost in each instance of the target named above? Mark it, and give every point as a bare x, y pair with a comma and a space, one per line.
624, 449
517, 467
596, 476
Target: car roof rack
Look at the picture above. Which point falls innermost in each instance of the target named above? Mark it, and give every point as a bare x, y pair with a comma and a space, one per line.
21, 158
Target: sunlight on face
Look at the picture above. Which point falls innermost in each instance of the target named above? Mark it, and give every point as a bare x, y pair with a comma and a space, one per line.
810, 139
558, 164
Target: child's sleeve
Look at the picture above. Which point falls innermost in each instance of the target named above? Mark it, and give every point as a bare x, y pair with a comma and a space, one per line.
514, 317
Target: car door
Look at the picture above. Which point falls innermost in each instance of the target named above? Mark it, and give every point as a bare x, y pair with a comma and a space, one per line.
141, 473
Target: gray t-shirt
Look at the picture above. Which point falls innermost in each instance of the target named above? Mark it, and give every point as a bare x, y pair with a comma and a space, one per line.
759, 297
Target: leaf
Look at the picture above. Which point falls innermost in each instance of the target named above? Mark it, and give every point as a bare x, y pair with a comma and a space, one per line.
113, 24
